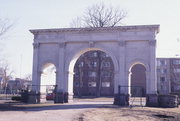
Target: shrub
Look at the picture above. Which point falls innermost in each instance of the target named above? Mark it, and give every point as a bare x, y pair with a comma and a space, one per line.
16, 98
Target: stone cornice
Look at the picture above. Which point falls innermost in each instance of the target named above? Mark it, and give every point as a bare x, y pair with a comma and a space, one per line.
117, 28
36, 45
152, 42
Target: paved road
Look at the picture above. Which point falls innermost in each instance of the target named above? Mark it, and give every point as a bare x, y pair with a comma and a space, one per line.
55, 112
61, 112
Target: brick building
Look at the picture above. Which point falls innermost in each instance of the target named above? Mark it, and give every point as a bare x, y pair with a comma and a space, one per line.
94, 75
168, 75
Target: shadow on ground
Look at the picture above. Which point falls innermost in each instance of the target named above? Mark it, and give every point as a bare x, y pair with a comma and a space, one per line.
17, 106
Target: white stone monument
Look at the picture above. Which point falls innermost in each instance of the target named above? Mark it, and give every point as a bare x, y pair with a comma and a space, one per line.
126, 45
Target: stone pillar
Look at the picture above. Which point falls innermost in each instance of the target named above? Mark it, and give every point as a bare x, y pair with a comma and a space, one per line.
152, 74
60, 77
121, 96
70, 85
36, 73
152, 97
122, 68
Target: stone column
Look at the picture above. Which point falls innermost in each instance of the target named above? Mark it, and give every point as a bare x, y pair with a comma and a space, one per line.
121, 96
70, 85
122, 68
60, 78
152, 74
34, 95
36, 72
152, 97
63, 93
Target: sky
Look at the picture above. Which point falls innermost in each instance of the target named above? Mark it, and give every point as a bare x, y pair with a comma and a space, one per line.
17, 47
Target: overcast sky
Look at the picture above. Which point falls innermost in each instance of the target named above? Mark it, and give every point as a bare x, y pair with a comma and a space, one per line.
36, 14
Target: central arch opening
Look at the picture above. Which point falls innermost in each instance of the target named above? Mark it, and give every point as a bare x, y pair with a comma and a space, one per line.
93, 75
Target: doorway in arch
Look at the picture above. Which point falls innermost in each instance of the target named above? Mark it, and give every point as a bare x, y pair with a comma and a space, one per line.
138, 81
48, 81
93, 75
137, 88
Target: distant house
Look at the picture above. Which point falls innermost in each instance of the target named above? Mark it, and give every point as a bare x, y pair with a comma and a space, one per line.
15, 86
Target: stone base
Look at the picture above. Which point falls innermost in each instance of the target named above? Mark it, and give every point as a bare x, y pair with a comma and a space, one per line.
152, 100
59, 97
63, 97
70, 98
33, 97
121, 100
168, 101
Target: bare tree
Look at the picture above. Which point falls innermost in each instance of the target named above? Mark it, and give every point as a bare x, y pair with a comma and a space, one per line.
28, 77
5, 26
6, 73
99, 15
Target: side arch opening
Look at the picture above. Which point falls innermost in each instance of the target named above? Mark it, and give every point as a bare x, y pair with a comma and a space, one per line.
47, 81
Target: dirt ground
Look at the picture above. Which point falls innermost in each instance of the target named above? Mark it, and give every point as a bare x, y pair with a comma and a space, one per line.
84, 110
115, 113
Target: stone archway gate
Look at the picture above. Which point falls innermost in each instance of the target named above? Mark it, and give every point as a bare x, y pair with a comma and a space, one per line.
125, 44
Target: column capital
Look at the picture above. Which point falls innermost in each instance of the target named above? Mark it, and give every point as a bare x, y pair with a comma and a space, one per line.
152, 42
36, 45
122, 43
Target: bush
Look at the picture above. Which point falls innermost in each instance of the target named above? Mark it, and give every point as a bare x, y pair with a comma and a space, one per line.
16, 98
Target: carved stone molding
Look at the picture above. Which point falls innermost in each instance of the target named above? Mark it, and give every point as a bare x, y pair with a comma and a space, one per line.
36, 35
91, 44
152, 42
36, 45
122, 43
62, 44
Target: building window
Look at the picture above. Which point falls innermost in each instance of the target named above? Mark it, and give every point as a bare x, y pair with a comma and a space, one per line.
92, 84
177, 70
76, 84
105, 84
76, 74
162, 62
81, 64
106, 64
162, 79
92, 74
94, 64
163, 71
94, 54
176, 62
161, 87
106, 74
